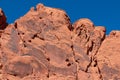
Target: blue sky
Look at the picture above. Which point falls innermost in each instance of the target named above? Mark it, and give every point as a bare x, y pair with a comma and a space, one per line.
102, 13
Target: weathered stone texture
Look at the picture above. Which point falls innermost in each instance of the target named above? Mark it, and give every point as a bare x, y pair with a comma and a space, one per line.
44, 45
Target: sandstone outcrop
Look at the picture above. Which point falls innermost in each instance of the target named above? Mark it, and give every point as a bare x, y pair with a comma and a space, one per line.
44, 45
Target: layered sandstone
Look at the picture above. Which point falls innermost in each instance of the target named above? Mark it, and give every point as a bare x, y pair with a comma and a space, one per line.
44, 45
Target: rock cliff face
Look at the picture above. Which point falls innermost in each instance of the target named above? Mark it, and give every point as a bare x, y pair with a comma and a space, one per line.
44, 45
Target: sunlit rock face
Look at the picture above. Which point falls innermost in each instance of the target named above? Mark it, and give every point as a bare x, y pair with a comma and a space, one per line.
45, 45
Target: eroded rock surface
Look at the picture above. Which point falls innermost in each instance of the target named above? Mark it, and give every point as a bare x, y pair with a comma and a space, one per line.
44, 45
108, 57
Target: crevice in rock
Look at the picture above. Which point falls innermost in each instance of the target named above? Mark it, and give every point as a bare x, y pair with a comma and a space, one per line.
94, 60
36, 36
90, 48
15, 24
73, 52
70, 27
89, 65
101, 77
19, 34
57, 37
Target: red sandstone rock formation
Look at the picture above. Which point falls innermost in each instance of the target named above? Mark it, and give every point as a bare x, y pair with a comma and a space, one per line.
44, 45
3, 23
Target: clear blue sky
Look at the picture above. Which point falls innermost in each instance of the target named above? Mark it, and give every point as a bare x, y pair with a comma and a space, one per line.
103, 12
